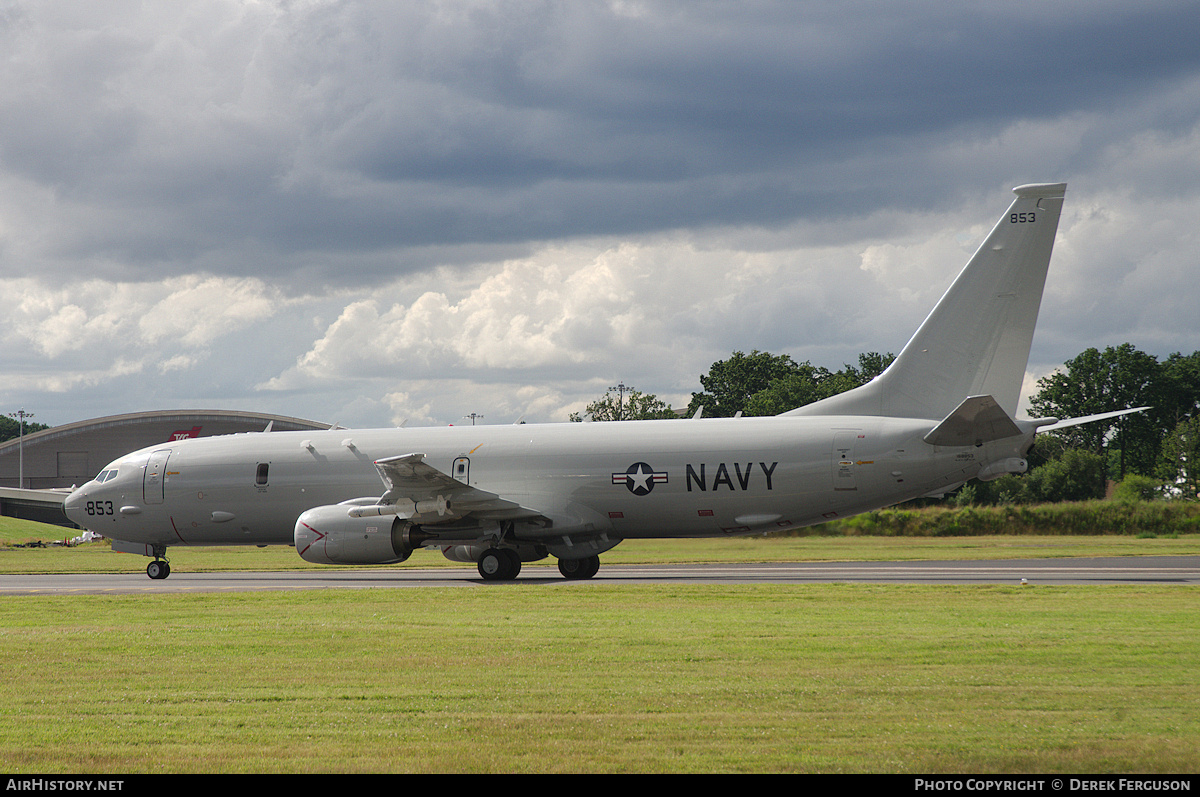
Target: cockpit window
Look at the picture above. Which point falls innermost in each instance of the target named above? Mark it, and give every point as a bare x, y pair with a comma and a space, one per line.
106, 475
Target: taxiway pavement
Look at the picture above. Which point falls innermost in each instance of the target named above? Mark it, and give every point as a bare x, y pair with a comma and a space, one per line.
1139, 570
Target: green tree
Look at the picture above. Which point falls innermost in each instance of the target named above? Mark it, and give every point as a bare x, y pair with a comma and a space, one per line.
807, 384
1135, 488
1077, 475
1181, 374
10, 428
760, 383
1115, 379
870, 365
810, 383
729, 384
626, 404
1179, 465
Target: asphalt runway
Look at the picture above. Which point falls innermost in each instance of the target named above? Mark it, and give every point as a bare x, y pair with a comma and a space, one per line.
1142, 571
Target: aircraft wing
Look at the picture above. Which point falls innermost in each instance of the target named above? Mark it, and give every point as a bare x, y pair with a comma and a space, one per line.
419, 491
410, 476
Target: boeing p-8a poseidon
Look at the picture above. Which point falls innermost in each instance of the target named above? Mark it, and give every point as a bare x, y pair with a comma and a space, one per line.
942, 413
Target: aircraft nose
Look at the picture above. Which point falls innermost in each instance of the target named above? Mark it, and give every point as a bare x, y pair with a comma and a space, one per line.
74, 507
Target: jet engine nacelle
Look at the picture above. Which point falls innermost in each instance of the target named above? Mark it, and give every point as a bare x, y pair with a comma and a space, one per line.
329, 535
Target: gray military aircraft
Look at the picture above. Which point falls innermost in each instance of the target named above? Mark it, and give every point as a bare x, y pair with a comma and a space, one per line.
941, 414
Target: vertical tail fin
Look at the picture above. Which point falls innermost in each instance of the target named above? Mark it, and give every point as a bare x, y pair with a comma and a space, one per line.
976, 341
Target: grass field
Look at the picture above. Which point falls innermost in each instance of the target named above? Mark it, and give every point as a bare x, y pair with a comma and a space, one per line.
97, 558
834, 678
804, 678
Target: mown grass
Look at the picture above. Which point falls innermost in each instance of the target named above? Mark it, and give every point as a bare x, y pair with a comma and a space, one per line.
809, 678
98, 558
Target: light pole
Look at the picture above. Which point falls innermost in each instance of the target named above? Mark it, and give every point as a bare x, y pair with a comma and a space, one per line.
620, 388
473, 416
21, 415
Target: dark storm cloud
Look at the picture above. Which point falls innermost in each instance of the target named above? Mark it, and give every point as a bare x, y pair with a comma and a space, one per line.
254, 139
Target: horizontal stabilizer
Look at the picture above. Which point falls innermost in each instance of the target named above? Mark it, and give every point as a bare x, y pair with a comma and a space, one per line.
1104, 416
978, 420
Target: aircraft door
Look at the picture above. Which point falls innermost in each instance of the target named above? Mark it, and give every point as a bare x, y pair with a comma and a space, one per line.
154, 477
844, 476
461, 470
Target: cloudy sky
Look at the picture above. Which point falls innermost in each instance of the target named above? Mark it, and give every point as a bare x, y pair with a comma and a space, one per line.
376, 212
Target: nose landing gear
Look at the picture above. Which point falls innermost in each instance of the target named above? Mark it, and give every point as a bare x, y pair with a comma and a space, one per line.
159, 568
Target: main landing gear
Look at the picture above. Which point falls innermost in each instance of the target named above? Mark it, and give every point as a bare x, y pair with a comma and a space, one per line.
579, 568
503, 564
499, 564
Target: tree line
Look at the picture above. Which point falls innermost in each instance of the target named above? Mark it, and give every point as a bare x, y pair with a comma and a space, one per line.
758, 383
10, 428
1153, 450
1147, 453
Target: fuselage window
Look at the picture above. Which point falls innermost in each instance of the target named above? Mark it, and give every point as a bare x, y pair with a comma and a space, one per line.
260, 477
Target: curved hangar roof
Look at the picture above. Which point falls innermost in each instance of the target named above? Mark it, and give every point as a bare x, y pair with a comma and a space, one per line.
73, 453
